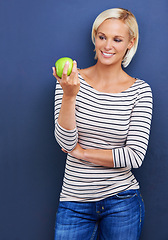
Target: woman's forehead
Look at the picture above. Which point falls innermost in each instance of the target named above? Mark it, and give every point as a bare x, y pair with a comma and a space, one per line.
114, 27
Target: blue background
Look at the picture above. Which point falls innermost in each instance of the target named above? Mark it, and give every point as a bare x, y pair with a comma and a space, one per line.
33, 35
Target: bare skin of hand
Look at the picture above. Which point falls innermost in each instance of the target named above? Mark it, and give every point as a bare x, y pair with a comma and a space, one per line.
70, 84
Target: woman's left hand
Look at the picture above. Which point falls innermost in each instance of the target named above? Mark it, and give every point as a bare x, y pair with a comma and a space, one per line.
77, 152
101, 157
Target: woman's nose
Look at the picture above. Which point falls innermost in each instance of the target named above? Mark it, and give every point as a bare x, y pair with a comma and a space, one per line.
108, 45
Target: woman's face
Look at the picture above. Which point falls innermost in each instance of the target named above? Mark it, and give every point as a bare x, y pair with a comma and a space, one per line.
112, 41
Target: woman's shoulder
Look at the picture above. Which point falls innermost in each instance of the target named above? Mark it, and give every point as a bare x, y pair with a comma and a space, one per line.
142, 83
143, 88
86, 72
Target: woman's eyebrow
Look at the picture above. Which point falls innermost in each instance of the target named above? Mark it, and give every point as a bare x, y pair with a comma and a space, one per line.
119, 36
114, 36
101, 33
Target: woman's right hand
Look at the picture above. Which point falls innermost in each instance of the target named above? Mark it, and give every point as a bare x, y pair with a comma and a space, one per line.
70, 84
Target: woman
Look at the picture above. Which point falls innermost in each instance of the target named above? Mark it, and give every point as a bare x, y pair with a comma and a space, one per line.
102, 120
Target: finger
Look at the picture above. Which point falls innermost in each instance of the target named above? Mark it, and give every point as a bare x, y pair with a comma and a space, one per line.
65, 70
74, 70
75, 73
55, 74
54, 71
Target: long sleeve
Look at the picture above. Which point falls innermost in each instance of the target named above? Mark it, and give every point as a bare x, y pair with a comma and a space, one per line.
67, 139
133, 153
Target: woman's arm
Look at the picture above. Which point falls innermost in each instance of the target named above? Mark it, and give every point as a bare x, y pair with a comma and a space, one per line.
70, 86
100, 157
67, 88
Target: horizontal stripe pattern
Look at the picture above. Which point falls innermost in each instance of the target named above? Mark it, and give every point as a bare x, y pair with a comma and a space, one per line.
119, 122
66, 139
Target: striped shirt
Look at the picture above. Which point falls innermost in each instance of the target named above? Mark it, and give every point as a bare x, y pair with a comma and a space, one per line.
119, 122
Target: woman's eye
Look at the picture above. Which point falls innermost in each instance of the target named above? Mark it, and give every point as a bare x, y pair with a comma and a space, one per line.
101, 37
117, 40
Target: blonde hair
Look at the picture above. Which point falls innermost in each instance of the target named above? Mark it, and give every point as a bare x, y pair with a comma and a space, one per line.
129, 19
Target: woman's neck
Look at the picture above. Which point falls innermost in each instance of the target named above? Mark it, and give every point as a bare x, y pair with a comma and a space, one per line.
107, 78
109, 73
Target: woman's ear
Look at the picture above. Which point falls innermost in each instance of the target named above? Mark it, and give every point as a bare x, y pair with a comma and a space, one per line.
131, 43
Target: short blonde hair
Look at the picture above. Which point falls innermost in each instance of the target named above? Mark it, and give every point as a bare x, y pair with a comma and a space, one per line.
129, 19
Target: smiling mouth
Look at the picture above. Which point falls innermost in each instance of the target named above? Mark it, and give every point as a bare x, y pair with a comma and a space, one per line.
107, 54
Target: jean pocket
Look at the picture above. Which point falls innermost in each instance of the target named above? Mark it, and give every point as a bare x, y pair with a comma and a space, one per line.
126, 194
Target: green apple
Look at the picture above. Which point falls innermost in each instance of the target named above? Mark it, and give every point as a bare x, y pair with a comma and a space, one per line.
60, 63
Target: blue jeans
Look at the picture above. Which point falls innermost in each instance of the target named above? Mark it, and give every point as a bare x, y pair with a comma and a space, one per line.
119, 217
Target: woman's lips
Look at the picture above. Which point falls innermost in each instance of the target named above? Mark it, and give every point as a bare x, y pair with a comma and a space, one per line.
108, 55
